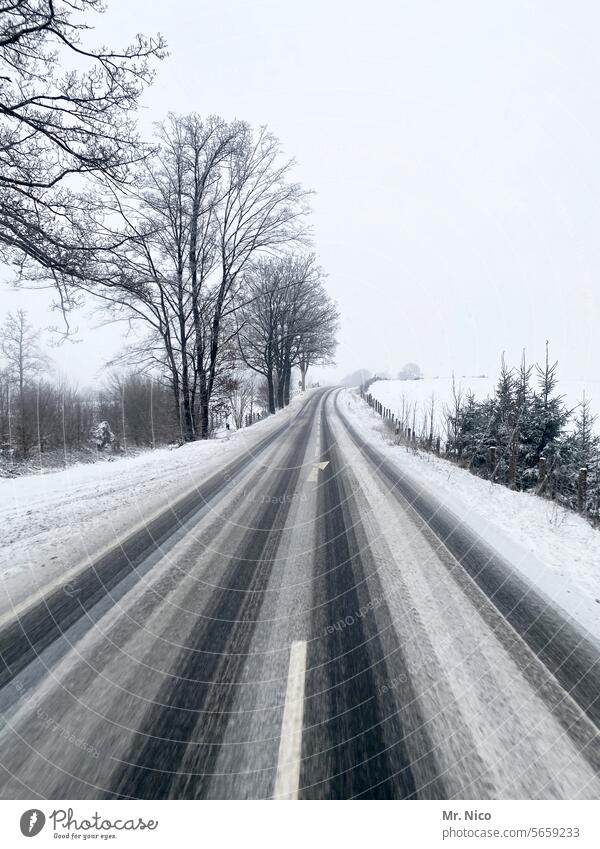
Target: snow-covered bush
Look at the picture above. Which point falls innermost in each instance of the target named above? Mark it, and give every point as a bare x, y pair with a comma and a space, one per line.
103, 436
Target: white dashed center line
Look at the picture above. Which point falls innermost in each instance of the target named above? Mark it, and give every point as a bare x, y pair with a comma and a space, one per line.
287, 780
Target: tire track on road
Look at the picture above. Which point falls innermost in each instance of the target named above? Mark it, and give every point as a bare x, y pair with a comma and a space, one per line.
210, 666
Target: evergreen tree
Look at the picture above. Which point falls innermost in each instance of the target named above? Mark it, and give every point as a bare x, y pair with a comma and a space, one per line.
523, 424
580, 450
524, 456
549, 415
503, 420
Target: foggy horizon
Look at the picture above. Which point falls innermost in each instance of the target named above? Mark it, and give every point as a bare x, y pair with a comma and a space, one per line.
456, 195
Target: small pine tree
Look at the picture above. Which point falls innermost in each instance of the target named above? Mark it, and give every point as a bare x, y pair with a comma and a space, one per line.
585, 441
580, 450
549, 415
525, 465
503, 418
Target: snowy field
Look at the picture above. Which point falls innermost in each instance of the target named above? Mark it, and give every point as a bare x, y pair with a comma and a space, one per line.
392, 393
554, 548
60, 521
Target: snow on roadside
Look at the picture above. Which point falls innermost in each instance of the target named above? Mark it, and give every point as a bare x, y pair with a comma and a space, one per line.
50, 523
416, 395
557, 550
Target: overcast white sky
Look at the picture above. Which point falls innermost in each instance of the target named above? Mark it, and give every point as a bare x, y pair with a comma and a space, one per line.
453, 148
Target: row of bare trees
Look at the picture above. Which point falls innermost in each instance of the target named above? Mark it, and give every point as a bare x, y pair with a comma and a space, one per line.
45, 420
184, 240
216, 227
286, 321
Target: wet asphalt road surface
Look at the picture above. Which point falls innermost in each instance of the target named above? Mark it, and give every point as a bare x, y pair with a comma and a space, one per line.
308, 623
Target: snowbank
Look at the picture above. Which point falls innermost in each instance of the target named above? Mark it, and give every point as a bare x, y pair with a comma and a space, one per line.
556, 549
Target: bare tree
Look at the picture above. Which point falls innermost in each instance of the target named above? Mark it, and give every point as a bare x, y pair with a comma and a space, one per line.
309, 322
24, 361
240, 389
261, 212
454, 415
259, 319
61, 121
287, 320
160, 269
410, 371
318, 341
214, 198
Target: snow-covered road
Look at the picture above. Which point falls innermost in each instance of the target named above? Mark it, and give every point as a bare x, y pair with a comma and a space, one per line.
307, 623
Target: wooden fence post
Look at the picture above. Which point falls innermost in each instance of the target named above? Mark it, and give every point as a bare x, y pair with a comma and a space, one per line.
512, 466
493, 454
542, 472
582, 490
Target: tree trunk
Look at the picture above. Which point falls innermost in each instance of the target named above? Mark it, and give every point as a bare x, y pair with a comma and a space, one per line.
271, 392
512, 466
24, 445
280, 388
188, 413
204, 403
176, 398
286, 385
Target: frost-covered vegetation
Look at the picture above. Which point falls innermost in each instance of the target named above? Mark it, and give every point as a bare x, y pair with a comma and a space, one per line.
51, 424
523, 434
